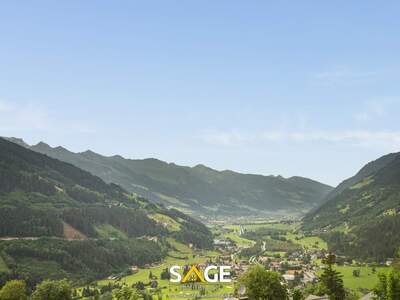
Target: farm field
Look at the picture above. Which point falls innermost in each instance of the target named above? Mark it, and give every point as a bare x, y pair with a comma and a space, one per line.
240, 241
367, 279
307, 242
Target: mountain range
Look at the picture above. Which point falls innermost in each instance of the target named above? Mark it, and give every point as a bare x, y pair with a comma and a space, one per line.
200, 190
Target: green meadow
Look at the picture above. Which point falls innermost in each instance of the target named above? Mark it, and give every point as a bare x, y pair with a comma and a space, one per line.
240, 241
366, 281
307, 242
3, 266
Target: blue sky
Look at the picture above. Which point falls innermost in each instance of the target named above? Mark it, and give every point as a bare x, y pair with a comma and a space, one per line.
306, 88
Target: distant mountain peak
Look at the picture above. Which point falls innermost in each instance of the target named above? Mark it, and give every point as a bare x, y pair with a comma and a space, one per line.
89, 152
41, 146
201, 166
155, 161
60, 148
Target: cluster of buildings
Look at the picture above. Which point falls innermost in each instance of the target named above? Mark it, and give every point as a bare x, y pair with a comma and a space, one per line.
296, 268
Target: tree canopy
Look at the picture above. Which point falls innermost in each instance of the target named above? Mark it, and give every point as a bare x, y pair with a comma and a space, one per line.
53, 290
14, 290
262, 284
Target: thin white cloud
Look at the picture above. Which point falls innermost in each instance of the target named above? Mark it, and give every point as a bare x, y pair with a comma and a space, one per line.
16, 119
387, 139
225, 138
342, 75
24, 117
371, 111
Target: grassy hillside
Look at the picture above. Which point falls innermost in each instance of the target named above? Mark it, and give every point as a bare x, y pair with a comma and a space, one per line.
362, 218
199, 189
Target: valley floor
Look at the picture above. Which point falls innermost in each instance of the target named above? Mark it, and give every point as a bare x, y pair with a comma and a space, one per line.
241, 245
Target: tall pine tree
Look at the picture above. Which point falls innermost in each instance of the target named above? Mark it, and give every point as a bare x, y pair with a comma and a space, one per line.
332, 279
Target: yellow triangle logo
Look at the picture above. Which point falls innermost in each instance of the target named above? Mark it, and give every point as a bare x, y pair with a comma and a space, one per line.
193, 271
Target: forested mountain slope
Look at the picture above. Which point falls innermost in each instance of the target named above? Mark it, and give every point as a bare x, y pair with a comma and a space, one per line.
361, 217
199, 189
60, 210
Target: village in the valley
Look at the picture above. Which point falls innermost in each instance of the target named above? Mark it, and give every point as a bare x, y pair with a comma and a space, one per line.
274, 245
297, 268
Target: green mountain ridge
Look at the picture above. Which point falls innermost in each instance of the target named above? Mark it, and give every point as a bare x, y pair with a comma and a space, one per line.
57, 220
199, 189
360, 218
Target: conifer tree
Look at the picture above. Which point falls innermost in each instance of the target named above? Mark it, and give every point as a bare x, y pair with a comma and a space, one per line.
332, 279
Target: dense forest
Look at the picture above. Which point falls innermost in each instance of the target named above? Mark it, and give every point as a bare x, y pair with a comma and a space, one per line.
80, 261
376, 241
